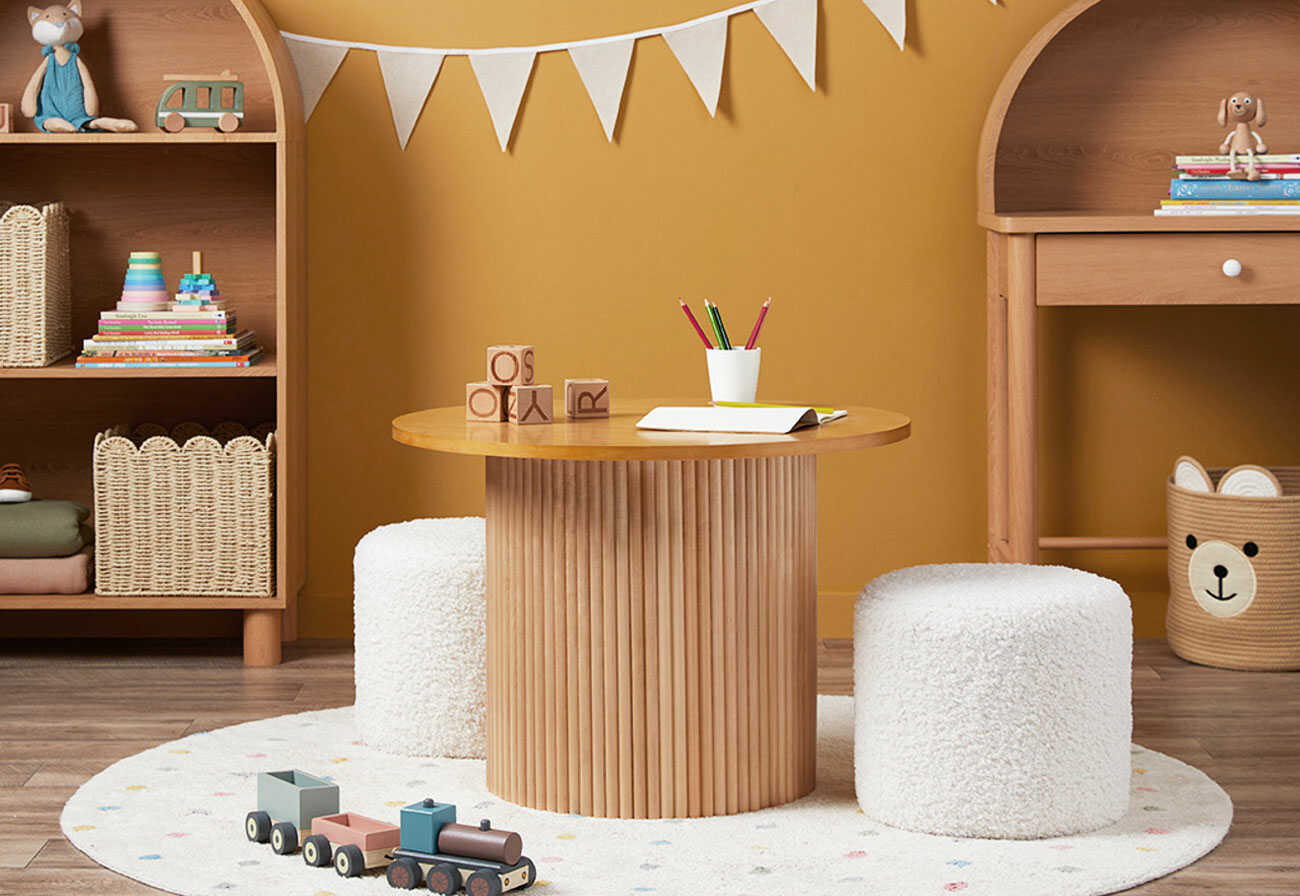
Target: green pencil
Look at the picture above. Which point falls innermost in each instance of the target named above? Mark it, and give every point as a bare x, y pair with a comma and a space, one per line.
713, 322
724, 339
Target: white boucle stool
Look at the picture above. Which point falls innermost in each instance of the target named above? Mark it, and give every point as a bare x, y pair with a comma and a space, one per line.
421, 643
993, 700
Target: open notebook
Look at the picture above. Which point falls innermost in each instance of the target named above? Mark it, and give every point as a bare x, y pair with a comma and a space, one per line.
773, 419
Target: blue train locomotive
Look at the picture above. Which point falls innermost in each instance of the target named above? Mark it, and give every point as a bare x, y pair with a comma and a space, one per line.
448, 856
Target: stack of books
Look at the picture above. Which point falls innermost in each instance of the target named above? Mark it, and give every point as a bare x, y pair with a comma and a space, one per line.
196, 330
1204, 187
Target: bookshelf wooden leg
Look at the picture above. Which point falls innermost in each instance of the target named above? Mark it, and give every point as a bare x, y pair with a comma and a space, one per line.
1022, 398
652, 634
262, 637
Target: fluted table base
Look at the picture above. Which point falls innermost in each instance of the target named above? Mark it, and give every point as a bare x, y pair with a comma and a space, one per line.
652, 634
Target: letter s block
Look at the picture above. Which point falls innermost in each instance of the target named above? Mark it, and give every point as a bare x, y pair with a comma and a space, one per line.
485, 402
510, 365
527, 405
586, 398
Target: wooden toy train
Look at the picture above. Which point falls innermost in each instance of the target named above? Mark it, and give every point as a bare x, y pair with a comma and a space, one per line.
428, 846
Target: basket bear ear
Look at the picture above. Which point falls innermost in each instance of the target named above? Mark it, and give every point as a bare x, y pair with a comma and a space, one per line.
1250, 481
1189, 474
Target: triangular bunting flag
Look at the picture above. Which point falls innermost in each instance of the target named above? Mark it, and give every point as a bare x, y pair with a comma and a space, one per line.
603, 69
701, 50
893, 15
503, 77
316, 65
408, 78
794, 25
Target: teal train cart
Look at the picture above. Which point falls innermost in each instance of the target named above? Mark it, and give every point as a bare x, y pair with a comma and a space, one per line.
212, 101
287, 803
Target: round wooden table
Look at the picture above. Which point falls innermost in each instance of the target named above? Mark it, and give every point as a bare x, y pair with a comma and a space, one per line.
652, 608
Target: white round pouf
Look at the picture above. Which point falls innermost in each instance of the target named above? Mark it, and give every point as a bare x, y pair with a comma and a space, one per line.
993, 701
421, 642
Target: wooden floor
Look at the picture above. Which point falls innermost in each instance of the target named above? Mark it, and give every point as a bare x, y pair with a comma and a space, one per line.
71, 710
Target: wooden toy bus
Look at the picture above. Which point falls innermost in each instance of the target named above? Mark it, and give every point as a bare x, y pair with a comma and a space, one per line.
213, 101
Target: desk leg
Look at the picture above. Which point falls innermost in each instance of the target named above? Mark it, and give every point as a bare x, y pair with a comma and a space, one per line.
1022, 398
652, 634
999, 538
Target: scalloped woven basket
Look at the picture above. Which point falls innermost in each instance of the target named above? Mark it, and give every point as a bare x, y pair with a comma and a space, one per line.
35, 285
187, 512
1266, 636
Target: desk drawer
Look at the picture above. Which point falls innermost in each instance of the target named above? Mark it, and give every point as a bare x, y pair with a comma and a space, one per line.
1168, 269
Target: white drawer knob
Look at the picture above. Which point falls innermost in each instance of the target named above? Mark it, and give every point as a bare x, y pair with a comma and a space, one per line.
1232, 268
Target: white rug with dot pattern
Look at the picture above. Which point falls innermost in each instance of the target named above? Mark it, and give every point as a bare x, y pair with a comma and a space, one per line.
172, 817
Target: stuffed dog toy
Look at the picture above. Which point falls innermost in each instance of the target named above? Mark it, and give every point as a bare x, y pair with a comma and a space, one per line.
1241, 110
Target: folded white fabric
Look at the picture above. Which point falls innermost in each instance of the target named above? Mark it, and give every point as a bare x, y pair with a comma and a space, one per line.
993, 700
421, 639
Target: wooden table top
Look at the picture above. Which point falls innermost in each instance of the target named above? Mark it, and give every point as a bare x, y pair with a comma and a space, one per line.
617, 438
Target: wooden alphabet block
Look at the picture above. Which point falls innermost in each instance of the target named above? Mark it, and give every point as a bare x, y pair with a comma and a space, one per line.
6, 118
510, 365
485, 402
527, 405
586, 398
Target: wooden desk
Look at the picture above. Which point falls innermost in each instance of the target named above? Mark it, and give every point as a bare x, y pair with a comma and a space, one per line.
652, 608
1077, 151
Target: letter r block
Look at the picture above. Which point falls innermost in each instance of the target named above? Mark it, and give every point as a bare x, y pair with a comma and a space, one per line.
485, 402
510, 365
586, 398
527, 405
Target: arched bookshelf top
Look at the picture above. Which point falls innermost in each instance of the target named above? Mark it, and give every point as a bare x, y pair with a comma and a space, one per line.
1091, 113
130, 45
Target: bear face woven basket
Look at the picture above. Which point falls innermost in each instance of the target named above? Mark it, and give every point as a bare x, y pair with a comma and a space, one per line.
1234, 576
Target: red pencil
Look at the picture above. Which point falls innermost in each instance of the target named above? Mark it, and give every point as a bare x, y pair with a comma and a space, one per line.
758, 325
695, 324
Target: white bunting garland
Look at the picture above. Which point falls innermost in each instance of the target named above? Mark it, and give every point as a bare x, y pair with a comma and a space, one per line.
602, 63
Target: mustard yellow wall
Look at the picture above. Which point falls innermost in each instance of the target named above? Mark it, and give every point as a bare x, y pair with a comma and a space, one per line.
854, 206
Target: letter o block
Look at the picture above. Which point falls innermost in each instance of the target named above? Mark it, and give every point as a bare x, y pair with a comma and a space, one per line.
485, 402
510, 365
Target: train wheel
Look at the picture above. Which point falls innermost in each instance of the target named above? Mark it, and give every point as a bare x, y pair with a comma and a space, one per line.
174, 123
532, 873
228, 122
316, 851
257, 827
349, 862
404, 874
444, 878
483, 883
284, 838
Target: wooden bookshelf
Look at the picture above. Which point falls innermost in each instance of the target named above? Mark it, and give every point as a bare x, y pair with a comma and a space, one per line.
239, 197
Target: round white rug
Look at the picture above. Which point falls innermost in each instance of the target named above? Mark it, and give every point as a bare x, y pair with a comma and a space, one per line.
172, 817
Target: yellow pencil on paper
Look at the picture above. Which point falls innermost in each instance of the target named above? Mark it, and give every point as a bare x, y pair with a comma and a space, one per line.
758, 404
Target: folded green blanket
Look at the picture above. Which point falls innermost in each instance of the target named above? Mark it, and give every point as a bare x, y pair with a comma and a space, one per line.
42, 529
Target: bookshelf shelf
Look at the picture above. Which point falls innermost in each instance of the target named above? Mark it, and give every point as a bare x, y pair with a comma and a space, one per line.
91, 601
65, 370
239, 198
1131, 222
142, 137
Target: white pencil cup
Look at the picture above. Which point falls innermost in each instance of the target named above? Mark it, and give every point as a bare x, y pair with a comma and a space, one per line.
733, 373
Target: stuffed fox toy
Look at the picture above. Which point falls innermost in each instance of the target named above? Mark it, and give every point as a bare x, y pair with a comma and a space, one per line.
61, 96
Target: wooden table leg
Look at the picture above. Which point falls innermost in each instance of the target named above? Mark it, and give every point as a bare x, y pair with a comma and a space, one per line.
262, 637
999, 537
1022, 398
652, 634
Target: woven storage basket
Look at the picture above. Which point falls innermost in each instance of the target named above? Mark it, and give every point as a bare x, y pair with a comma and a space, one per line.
35, 290
1265, 636
185, 511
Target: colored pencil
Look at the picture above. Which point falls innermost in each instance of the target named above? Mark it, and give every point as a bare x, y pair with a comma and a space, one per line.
722, 328
758, 325
713, 322
696, 324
